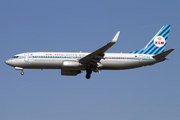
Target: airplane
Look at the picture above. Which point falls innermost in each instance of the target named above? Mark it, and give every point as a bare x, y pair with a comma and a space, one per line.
73, 63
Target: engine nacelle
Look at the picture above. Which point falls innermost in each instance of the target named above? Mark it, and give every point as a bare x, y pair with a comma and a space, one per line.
70, 72
71, 64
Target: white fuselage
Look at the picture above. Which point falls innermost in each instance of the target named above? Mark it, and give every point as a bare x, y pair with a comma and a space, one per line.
67, 60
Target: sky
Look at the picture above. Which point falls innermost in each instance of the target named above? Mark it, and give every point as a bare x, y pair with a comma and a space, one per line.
147, 93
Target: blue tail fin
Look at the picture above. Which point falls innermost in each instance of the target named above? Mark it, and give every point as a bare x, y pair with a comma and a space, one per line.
158, 42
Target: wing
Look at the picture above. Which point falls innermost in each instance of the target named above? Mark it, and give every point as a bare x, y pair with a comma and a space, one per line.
94, 57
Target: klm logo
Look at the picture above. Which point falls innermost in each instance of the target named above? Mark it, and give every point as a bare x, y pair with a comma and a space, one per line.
159, 41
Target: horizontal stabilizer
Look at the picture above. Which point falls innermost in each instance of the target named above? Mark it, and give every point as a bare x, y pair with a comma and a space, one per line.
163, 54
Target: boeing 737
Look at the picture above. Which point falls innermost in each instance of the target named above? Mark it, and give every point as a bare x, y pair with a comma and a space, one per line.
73, 63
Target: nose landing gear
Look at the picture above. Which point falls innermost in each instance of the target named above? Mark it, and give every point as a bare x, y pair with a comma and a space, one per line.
19, 68
22, 73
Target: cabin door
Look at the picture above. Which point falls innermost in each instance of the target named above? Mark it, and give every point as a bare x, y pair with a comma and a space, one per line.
26, 57
140, 59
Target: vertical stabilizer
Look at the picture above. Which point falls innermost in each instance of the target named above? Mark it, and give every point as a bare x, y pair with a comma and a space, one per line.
158, 42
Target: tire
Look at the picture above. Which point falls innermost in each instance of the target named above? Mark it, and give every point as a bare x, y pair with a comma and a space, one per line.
88, 76
22, 73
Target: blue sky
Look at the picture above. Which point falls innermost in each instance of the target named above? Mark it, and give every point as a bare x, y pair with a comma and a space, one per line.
150, 93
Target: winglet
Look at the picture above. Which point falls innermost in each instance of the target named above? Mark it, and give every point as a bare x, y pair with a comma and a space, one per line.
100, 52
115, 37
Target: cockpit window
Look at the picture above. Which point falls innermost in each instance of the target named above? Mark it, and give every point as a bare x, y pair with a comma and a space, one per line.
15, 56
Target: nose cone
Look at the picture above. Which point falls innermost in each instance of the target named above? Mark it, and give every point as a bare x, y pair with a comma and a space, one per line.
8, 62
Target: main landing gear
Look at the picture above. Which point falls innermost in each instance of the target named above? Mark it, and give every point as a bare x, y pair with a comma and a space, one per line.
88, 72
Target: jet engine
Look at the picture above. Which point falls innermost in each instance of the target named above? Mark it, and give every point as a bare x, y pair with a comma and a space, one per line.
71, 64
70, 72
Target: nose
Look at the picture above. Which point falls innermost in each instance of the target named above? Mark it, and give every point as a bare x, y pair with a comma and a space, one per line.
8, 62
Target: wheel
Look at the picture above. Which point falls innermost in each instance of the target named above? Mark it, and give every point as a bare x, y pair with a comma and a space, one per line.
88, 76
88, 72
22, 73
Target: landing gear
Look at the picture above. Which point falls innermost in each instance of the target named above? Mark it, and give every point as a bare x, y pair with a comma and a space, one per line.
19, 68
88, 72
22, 73
88, 76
